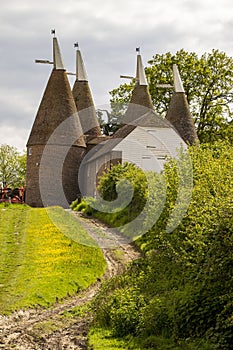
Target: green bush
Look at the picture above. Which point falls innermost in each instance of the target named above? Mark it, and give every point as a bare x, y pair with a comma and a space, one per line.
74, 204
125, 310
156, 319
84, 206
108, 191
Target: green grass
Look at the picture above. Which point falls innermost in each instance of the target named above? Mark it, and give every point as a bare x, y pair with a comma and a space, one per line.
40, 263
101, 339
66, 223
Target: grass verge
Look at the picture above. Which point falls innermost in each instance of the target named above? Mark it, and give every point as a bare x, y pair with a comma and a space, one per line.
102, 338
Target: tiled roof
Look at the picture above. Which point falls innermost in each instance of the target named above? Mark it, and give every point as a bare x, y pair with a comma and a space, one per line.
84, 101
180, 117
178, 112
56, 106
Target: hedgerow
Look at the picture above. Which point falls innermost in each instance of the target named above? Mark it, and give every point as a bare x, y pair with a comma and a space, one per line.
182, 290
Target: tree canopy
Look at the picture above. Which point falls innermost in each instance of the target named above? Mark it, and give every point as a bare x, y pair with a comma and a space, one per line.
208, 84
12, 167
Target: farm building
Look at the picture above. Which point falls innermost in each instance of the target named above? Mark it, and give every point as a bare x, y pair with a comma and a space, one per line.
66, 152
56, 108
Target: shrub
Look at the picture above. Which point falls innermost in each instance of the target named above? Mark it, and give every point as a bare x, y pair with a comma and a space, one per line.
124, 309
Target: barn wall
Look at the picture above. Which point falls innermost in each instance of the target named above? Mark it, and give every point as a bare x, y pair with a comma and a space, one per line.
147, 147
57, 178
70, 173
32, 196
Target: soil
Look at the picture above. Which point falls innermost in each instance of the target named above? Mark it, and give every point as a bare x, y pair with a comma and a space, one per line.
53, 329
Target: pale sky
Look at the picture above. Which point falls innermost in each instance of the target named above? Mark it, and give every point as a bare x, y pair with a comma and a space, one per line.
108, 33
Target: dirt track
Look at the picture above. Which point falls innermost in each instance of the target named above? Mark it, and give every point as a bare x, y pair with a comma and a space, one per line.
42, 329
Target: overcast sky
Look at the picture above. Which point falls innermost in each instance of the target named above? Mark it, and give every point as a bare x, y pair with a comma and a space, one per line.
108, 33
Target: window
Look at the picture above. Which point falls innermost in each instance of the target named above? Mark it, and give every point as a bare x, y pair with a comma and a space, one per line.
30, 151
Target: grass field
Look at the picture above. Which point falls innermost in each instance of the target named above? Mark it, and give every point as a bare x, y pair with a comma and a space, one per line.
41, 263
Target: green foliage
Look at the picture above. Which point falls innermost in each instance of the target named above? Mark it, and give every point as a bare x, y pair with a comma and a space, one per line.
208, 82
84, 206
182, 290
74, 204
108, 185
102, 339
12, 167
125, 176
124, 311
108, 182
39, 263
109, 122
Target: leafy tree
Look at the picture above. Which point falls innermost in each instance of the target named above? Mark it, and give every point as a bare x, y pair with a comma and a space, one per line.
108, 122
12, 166
208, 84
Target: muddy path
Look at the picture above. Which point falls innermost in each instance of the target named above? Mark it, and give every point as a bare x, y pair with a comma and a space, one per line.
57, 328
